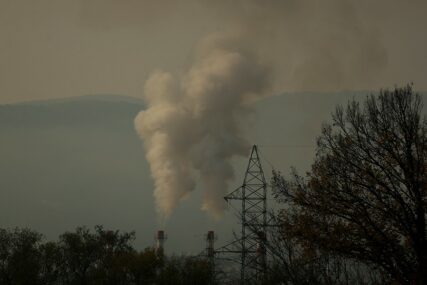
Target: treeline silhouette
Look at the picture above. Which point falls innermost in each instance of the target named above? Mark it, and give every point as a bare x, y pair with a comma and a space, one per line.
91, 257
363, 204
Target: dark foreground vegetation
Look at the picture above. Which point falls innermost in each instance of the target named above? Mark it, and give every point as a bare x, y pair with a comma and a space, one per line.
358, 217
91, 257
363, 204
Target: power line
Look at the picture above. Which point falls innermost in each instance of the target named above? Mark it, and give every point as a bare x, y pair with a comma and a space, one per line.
265, 159
288, 146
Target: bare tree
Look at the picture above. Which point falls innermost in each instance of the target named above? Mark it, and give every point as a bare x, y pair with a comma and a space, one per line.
291, 262
365, 197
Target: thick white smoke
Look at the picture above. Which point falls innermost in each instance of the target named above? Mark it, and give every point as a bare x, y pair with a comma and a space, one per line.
191, 128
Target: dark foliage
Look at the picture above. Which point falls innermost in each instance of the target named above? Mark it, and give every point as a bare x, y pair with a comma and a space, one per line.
365, 197
101, 257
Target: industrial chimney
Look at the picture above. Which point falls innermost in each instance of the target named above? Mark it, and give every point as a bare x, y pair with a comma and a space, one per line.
210, 241
160, 241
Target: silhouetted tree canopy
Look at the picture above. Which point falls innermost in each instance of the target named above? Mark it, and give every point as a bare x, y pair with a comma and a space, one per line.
365, 197
19, 256
100, 257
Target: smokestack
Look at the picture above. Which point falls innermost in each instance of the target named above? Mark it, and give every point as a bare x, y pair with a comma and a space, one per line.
210, 242
160, 241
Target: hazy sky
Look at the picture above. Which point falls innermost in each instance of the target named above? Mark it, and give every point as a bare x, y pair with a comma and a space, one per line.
62, 48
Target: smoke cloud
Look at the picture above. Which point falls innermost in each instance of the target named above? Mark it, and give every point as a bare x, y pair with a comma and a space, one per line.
329, 45
192, 126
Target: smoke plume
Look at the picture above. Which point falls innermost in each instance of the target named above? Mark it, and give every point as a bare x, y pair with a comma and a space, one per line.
192, 126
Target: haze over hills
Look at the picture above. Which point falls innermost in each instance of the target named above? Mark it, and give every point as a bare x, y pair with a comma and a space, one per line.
78, 161
72, 162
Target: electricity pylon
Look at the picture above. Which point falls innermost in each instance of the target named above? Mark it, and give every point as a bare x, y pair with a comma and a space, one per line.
251, 245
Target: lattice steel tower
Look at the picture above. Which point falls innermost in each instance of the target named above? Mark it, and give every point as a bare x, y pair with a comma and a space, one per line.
251, 244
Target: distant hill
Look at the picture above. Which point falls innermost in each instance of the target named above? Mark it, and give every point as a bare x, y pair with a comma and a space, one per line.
94, 97
71, 162
80, 111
